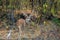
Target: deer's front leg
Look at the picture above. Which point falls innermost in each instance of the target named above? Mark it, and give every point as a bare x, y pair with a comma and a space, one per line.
20, 31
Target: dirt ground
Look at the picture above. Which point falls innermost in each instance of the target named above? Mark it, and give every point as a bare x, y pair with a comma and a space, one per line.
47, 31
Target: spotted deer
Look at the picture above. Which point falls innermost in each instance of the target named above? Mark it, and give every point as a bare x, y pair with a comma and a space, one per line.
20, 23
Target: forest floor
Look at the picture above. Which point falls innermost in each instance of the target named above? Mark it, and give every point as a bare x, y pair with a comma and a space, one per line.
49, 31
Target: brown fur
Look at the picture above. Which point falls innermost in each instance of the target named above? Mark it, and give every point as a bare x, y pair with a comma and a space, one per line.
20, 22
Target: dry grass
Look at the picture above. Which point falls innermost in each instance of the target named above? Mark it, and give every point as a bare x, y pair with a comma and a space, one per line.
42, 30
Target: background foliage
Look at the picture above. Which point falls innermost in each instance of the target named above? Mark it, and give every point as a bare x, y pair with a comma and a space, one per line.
42, 7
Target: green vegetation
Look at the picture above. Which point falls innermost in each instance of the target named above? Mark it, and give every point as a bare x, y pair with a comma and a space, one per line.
41, 7
57, 21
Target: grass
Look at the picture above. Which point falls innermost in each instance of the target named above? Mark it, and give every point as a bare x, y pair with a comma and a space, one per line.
56, 21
